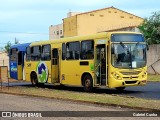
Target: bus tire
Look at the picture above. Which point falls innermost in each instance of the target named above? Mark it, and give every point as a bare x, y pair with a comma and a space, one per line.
88, 83
34, 79
120, 88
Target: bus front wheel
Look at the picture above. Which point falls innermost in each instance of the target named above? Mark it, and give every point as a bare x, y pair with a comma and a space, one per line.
34, 79
88, 83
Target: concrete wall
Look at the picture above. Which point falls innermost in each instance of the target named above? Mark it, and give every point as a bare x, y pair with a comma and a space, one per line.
153, 59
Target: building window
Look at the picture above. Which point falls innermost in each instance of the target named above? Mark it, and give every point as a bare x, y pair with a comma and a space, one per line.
131, 17
35, 53
60, 32
92, 14
87, 49
122, 16
101, 15
46, 52
57, 32
72, 50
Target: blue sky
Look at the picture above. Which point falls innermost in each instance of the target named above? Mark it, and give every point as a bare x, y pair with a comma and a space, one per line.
22, 17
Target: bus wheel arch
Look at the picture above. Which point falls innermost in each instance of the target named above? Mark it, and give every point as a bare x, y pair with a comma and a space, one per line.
33, 78
87, 82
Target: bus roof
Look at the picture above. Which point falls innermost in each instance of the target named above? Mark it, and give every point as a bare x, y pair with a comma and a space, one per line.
20, 47
77, 38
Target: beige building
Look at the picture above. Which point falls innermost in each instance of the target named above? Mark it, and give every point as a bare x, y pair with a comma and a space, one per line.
56, 31
4, 59
107, 19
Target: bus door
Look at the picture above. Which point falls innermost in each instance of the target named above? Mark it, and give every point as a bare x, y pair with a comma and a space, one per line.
55, 66
100, 65
20, 65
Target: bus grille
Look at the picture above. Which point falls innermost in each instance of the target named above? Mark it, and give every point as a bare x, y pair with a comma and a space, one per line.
130, 77
130, 73
130, 82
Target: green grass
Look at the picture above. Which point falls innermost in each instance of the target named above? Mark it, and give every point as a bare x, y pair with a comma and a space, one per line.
104, 98
153, 77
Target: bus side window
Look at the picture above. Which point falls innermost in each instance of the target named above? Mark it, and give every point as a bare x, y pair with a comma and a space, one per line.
72, 50
87, 49
35, 53
46, 54
28, 54
63, 51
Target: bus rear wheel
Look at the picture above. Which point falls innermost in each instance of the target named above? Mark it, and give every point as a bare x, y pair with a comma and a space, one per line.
88, 83
34, 79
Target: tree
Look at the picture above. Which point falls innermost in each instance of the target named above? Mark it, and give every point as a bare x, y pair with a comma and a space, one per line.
151, 28
7, 46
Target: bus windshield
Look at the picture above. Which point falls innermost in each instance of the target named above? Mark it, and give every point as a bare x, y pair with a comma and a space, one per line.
128, 55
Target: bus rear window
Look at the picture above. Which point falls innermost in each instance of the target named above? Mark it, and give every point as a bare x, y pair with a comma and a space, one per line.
127, 38
13, 54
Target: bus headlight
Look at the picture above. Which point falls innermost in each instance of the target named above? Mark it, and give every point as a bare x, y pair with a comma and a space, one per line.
144, 74
116, 75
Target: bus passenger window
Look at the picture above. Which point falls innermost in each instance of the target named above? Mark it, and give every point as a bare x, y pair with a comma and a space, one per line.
87, 49
28, 54
35, 53
63, 51
46, 54
72, 51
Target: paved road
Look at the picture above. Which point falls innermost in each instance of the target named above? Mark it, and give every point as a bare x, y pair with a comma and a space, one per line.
30, 104
26, 103
150, 91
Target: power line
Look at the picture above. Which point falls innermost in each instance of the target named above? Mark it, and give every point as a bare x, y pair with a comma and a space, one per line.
25, 33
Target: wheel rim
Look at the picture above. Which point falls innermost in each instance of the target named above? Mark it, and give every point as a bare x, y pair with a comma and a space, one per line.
87, 83
33, 80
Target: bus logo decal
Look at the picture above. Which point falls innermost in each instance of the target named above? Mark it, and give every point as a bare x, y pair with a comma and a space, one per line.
92, 67
42, 72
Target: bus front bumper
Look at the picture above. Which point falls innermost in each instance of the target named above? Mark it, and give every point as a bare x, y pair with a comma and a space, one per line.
113, 83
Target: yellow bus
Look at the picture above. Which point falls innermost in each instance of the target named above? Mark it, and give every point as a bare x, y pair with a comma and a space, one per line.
110, 59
